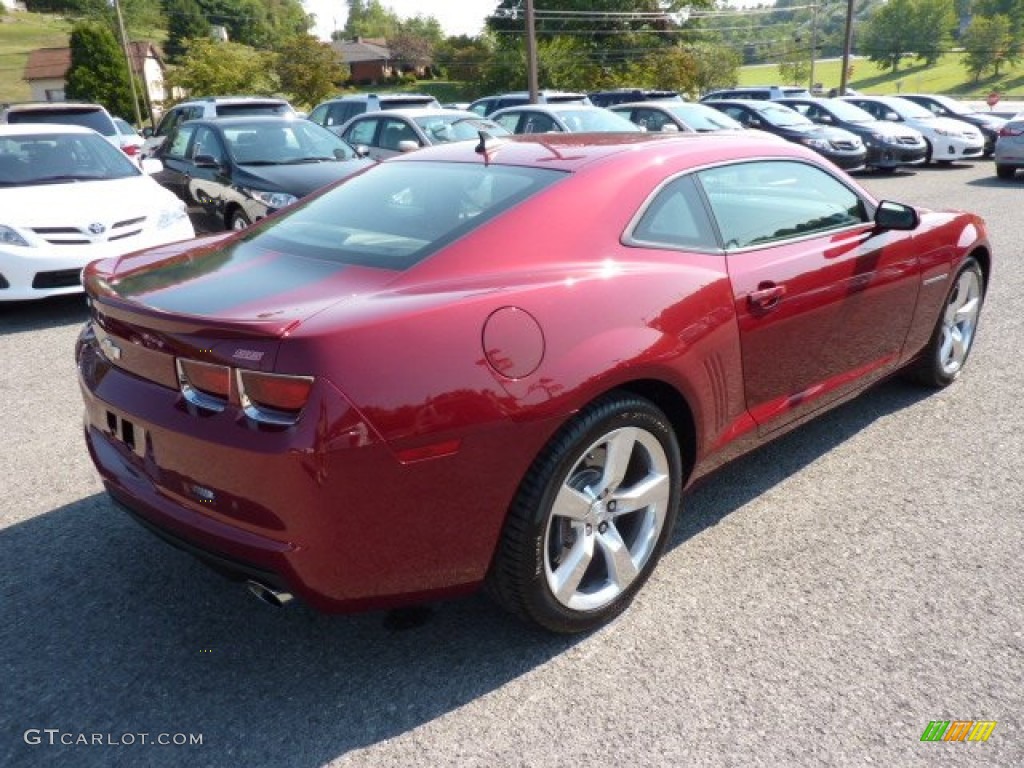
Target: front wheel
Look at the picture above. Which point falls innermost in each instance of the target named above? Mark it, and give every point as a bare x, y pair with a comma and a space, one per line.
238, 220
1005, 171
946, 354
591, 518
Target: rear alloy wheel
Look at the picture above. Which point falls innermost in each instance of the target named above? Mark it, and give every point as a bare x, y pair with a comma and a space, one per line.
239, 221
1005, 171
946, 354
591, 518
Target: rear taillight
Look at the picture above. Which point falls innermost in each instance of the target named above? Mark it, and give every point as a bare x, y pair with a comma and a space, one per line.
273, 398
1011, 130
204, 385
130, 149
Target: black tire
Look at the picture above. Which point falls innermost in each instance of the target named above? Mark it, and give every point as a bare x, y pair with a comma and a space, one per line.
942, 361
927, 152
237, 220
1005, 171
539, 548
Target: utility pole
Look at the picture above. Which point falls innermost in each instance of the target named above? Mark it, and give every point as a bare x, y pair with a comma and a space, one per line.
128, 63
531, 52
847, 45
814, 43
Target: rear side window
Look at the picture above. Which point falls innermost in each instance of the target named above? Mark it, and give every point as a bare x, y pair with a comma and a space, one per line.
676, 218
96, 119
397, 214
407, 103
774, 200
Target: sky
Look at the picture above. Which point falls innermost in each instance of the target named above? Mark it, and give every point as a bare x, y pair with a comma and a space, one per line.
457, 17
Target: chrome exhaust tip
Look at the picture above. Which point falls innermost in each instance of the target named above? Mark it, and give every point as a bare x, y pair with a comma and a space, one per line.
269, 595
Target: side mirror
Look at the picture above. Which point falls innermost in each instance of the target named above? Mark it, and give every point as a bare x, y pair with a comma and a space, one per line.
892, 116
408, 146
825, 119
147, 132
206, 161
890, 215
670, 128
361, 150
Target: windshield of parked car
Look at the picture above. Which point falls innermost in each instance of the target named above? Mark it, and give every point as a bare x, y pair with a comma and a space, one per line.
908, 109
851, 113
398, 213
443, 128
59, 158
87, 118
781, 116
595, 119
248, 109
953, 105
281, 142
702, 118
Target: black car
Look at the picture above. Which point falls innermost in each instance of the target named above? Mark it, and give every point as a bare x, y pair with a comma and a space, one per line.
944, 106
629, 95
889, 145
238, 170
843, 148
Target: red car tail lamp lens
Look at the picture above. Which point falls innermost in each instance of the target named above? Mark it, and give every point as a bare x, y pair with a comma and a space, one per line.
273, 398
130, 149
204, 385
1011, 130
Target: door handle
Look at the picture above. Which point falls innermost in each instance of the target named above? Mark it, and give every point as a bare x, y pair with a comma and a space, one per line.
766, 297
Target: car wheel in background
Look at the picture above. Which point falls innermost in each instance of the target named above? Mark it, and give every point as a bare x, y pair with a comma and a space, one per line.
946, 354
1005, 171
591, 518
238, 220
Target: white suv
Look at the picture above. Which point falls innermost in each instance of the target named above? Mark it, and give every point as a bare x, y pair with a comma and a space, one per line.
211, 107
87, 115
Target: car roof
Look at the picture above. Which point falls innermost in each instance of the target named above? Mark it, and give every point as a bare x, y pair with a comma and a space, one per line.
552, 108
664, 103
234, 100
414, 112
547, 150
18, 129
56, 106
395, 95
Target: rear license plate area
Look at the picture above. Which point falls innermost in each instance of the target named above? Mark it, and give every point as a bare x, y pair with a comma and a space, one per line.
126, 432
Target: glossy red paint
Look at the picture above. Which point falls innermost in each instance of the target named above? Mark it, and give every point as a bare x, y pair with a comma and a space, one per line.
434, 388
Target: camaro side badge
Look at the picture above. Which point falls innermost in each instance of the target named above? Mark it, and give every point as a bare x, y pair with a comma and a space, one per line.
248, 354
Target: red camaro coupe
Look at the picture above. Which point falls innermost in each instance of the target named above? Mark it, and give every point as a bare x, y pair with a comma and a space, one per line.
503, 364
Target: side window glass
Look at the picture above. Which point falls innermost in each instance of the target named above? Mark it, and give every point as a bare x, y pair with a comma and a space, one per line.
394, 132
769, 201
676, 218
537, 122
319, 115
508, 122
650, 119
207, 143
361, 132
178, 141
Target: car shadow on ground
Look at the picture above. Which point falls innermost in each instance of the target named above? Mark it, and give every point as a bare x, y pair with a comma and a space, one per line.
995, 181
21, 316
104, 629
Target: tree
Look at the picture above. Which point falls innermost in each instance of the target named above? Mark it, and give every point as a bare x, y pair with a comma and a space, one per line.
1013, 10
211, 67
986, 44
369, 18
934, 22
262, 24
185, 21
889, 34
309, 70
98, 71
716, 66
463, 57
411, 50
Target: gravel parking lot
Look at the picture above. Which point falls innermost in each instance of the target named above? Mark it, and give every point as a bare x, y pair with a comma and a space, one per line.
823, 599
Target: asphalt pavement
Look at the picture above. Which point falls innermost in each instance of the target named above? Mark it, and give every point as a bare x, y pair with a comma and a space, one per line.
824, 599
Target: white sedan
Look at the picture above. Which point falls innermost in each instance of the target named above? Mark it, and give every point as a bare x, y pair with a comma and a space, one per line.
68, 197
947, 139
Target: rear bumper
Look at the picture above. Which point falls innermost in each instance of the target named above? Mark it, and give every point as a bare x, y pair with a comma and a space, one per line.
323, 509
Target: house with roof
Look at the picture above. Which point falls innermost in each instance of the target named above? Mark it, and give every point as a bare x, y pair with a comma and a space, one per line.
368, 59
46, 71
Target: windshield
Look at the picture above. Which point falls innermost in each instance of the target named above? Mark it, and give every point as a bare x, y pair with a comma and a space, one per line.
442, 128
702, 119
781, 116
57, 158
594, 119
851, 113
88, 118
249, 109
953, 105
396, 214
275, 142
908, 109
